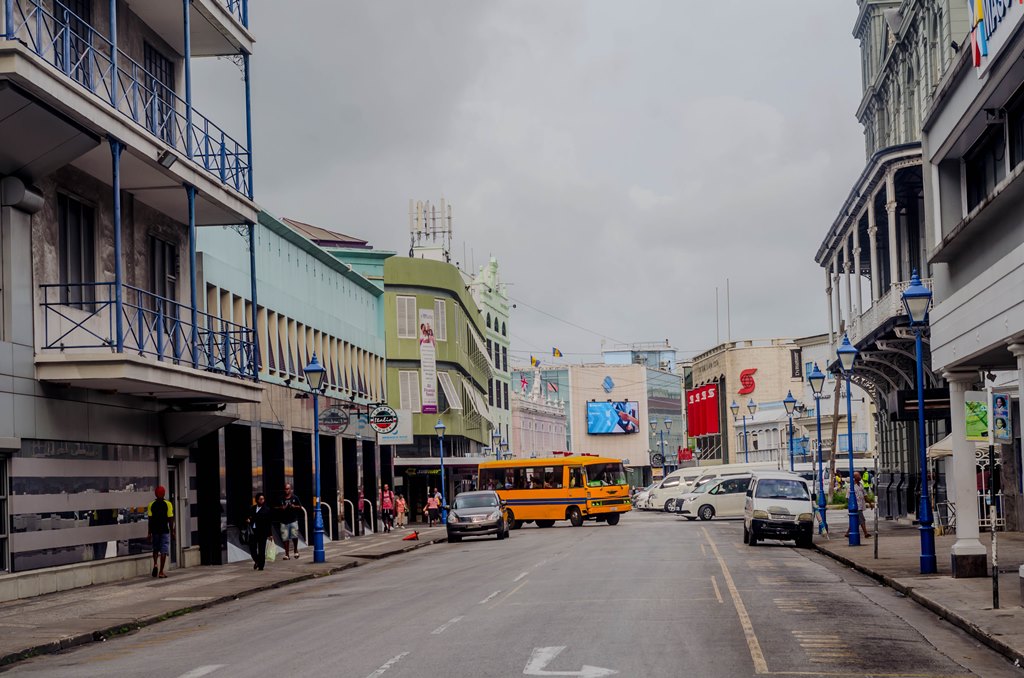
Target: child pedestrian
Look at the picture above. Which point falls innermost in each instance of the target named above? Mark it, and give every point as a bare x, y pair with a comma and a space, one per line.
401, 508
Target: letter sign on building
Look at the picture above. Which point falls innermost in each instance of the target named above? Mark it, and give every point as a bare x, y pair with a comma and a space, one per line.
383, 419
747, 381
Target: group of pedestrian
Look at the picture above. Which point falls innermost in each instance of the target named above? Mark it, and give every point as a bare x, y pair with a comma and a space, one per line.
260, 523
394, 510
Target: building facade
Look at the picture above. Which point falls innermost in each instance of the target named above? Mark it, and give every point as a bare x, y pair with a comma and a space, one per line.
538, 422
438, 369
491, 297
974, 153
878, 239
325, 309
114, 365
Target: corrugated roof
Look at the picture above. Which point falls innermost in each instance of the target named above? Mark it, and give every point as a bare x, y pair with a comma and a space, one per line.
323, 236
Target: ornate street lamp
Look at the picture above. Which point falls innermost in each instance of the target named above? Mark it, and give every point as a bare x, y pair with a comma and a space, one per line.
817, 380
314, 372
847, 355
495, 443
790, 403
439, 427
752, 408
916, 300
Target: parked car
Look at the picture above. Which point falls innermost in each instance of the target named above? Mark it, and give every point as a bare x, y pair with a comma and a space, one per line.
665, 495
475, 514
640, 500
721, 498
778, 506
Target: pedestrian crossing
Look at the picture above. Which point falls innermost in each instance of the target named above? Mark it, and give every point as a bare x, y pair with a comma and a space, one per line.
823, 648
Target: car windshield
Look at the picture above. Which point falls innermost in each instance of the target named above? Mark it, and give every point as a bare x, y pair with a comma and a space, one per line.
701, 489
771, 488
611, 473
476, 501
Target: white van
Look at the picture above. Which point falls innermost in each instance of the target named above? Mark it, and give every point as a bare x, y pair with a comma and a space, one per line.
712, 472
663, 495
778, 506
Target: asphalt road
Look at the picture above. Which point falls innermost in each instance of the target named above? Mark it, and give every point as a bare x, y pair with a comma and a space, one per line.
653, 596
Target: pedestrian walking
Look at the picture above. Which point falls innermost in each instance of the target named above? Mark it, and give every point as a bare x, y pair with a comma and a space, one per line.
401, 509
857, 487
387, 508
290, 508
161, 529
259, 522
432, 510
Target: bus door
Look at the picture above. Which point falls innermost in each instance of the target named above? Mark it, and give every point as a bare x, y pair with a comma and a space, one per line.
577, 484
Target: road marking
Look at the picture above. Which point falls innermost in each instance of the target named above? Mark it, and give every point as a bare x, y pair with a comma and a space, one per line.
714, 585
201, 671
703, 551
542, 656
488, 598
387, 665
760, 665
186, 599
520, 576
440, 629
507, 596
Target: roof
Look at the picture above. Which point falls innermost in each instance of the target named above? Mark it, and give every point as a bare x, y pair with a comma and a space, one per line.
324, 237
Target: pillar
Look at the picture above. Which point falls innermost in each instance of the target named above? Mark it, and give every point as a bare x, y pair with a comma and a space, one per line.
114, 96
857, 267
831, 310
848, 272
115, 154
873, 247
190, 193
186, 20
890, 210
968, 555
248, 113
255, 304
837, 293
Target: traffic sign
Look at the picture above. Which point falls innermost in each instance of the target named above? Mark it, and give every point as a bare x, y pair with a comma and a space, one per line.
383, 419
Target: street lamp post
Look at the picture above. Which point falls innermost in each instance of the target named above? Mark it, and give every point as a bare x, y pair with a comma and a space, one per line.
504, 448
314, 372
916, 300
752, 408
661, 437
439, 427
847, 355
817, 379
495, 443
790, 403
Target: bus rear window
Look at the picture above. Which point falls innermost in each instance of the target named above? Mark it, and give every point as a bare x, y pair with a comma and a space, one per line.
599, 475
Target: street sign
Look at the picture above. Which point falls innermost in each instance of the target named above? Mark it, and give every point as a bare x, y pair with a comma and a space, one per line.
334, 420
383, 419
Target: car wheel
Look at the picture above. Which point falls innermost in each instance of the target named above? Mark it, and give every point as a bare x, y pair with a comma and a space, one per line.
503, 532
513, 524
805, 541
670, 505
706, 512
752, 539
574, 516
746, 535
612, 519
454, 538
545, 523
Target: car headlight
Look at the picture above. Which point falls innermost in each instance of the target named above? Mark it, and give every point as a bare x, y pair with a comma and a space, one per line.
761, 515
804, 517
494, 516
453, 517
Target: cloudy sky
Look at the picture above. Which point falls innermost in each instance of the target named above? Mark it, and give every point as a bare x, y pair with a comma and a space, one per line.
621, 159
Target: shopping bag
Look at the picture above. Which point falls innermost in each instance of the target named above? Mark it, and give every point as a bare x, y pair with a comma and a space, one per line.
271, 551
245, 535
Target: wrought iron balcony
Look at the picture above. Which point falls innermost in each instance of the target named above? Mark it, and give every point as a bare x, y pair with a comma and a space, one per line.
70, 45
238, 9
80, 320
889, 305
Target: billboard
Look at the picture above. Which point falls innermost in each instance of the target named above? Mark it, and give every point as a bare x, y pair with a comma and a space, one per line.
702, 411
613, 417
428, 362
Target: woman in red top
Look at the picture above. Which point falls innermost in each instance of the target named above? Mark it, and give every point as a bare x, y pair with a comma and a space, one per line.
387, 508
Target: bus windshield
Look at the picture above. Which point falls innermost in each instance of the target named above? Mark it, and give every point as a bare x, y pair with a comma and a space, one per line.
599, 475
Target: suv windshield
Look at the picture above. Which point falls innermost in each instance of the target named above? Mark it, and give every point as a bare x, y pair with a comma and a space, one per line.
476, 501
772, 488
599, 475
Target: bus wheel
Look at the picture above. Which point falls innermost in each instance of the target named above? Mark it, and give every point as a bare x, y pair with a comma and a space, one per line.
513, 524
612, 519
574, 516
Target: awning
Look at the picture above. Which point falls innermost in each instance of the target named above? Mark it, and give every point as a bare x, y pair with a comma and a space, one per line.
944, 448
480, 356
476, 402
450, 392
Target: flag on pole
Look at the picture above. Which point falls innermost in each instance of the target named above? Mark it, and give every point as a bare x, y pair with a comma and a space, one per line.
534, 362
553, 387
556, 353
523, 383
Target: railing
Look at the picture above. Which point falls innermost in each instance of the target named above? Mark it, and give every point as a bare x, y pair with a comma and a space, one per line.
83, 316
889, 305
239, 9
76, 49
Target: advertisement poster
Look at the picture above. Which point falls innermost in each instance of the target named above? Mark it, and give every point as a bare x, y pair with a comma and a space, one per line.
613, 417
702, 411
428, 363
1002, 426
402, 435
976, 414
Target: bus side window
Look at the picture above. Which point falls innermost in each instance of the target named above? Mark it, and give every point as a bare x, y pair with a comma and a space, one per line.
575, 476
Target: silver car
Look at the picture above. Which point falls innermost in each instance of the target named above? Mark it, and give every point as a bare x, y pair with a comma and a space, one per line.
477, 513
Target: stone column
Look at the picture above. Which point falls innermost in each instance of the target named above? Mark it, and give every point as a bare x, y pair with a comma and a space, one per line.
890, 210
847, 271
831, 310
968, 555
837, 293
873, 247
857, 266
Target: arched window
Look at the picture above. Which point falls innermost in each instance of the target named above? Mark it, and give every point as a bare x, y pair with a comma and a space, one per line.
503, 329
488, 321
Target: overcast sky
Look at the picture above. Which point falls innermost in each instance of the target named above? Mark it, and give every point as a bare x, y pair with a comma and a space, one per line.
620, 158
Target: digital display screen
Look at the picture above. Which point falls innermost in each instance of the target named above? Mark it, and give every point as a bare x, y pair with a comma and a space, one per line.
604, 418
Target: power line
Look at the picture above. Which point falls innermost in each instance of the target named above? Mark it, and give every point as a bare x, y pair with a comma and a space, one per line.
568, 322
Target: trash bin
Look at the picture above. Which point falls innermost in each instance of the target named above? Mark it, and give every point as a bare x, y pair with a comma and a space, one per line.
899, 498
882, 483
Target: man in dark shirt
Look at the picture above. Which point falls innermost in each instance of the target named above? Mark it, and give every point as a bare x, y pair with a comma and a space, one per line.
161, 529
290, 509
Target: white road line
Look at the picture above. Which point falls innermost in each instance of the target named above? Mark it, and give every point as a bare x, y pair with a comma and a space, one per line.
507, 596
201, 671
440, 629
520, 576
489, 598
387, 665
714, 585
703, 552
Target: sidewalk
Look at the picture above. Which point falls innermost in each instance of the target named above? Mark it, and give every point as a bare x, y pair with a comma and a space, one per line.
966, 603
56, 621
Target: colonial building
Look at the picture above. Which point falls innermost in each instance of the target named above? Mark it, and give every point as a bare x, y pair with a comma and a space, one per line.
115, 361
491, 296
974, 154
538, 422
878, 238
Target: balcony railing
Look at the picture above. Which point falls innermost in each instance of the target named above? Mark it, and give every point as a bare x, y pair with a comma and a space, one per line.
889, 305
238, 9
76, 49
82, 317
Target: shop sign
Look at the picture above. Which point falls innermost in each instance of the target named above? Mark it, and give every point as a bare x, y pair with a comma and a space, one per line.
383, 419
334, 420
976, 416
747, 381
993, 23
1002, 425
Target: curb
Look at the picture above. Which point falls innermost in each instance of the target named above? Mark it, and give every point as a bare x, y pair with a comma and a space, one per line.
943, 612
100, 635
